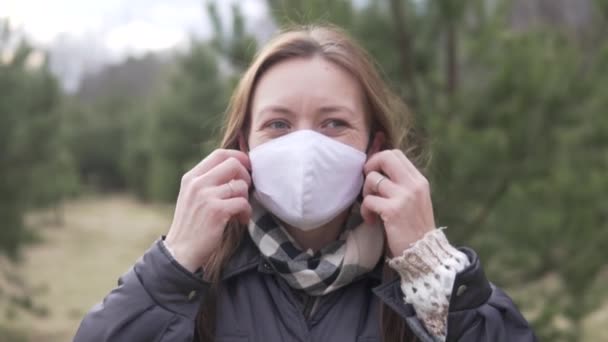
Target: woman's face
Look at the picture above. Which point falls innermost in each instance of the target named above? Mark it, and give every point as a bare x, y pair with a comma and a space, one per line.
308, 93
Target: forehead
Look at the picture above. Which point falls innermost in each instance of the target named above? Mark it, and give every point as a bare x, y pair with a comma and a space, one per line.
302, 80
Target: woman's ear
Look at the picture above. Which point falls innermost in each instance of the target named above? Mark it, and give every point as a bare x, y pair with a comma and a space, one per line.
242, 143
378, 140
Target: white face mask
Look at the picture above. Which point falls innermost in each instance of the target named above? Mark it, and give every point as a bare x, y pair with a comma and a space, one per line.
306, 178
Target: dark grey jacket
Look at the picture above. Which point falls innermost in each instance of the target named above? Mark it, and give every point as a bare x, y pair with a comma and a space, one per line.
157, 300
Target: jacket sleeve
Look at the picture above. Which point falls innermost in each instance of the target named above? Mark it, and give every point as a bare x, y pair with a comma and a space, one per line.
478, 311
156, 300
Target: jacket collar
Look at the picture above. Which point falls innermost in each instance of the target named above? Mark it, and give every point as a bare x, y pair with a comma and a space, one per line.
246, 258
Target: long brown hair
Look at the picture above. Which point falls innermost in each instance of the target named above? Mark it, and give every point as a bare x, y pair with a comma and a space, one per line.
387, 114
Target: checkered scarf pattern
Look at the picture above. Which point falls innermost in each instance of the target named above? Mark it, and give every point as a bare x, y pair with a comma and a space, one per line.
356, 252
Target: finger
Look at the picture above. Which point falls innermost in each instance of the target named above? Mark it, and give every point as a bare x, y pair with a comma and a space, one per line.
408, 165
237, 207
386, 162
372, 206
244, 217
234, 188
226, 171
215, 158
378, 184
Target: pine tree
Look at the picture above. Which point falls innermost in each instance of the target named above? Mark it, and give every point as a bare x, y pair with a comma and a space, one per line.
35, 168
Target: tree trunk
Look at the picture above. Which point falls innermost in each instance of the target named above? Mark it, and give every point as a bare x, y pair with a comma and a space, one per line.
404, 42
451, 52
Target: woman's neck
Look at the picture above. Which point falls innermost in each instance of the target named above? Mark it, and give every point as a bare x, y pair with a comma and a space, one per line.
320, 237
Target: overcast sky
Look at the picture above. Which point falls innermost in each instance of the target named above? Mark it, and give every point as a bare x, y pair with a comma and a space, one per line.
85, 34
122, 25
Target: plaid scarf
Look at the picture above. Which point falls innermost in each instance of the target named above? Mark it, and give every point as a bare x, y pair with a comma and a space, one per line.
356, 252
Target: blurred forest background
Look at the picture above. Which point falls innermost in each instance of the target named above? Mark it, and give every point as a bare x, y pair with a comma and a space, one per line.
510, 96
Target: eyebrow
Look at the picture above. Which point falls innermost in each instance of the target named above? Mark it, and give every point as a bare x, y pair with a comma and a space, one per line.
333, 109
325, 110
277, 109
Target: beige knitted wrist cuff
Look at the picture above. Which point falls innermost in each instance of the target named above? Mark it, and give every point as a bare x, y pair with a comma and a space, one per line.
428, 269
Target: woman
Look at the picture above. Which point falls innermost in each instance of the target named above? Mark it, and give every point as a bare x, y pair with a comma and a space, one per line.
282, 234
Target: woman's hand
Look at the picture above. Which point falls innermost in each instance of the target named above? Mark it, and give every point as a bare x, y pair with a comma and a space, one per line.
397, 192
212, 193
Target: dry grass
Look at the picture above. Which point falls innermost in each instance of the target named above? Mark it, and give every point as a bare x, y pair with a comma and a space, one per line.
80, 261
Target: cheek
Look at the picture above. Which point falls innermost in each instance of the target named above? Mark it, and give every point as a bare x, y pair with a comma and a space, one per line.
356, 139
254, 140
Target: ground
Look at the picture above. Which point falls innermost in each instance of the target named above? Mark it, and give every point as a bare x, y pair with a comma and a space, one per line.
79, 262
